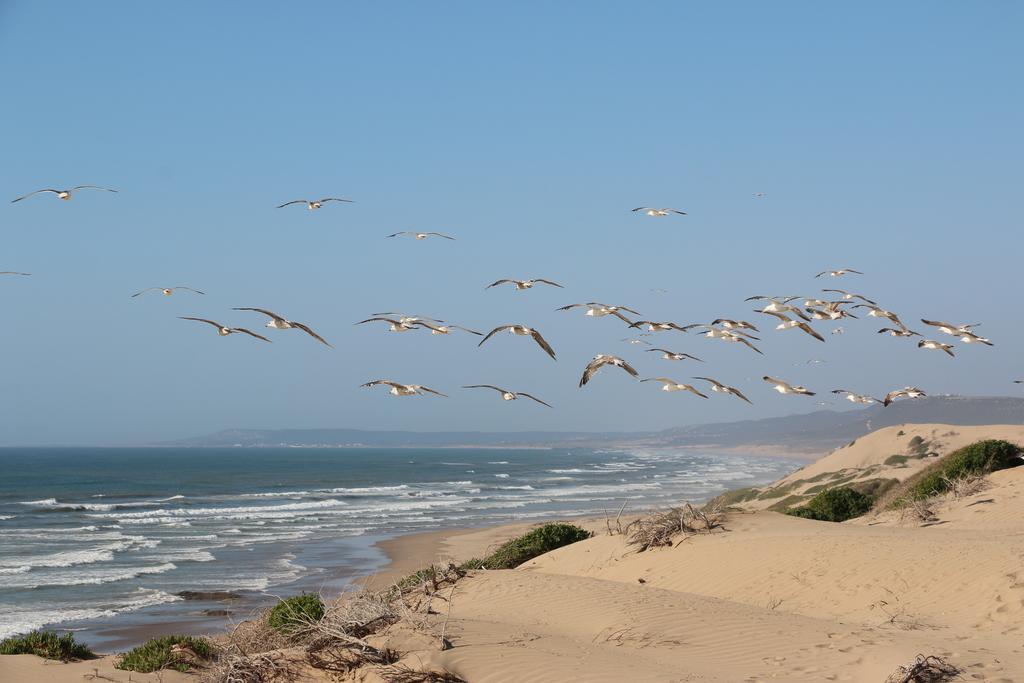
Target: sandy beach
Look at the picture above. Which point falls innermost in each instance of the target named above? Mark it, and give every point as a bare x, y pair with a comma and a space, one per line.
767, 597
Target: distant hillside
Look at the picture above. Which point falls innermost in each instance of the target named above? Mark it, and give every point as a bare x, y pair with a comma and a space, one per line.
825, 429
360, 437
809, 432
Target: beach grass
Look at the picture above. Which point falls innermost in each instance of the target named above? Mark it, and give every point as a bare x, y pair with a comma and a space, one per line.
292, 613
46, 644
533, 544
176, 652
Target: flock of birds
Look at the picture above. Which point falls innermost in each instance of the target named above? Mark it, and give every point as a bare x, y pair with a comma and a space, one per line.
792, 312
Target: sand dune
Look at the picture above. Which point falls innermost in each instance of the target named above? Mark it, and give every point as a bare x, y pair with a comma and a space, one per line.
890, 453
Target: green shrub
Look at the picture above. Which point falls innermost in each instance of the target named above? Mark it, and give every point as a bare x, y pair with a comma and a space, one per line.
46, 644
291, 613
541, 540
834, 505
976, 459
156, 655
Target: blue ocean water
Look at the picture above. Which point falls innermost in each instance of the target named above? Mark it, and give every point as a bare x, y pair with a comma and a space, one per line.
107, 536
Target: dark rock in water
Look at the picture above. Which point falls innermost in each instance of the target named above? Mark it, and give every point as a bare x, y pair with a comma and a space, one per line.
217, 612
209, 595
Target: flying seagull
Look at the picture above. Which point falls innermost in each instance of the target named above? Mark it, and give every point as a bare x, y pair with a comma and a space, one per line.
12, 272
734, 324
523, 284
725, 389
633, 340
395, 325
409, 318
522, 331
788, 324
937, 345
760, 195
968, 337
849, 295
731, 336
421, 235
662, 326
777, 300
167, 291
658, 212
964, 332
876, 312
64, 194
854, 397
445, 329
279, 323
598, 310
672, 355
313, 204
672, 385
403, 389
601, 360
948, 328
838, 273
224, 330
899, 332
786, 387
827, 310
507, 395
906, 392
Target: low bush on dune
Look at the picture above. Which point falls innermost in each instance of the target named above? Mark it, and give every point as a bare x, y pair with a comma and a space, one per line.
509, 555
295, 612
180, 653
46, 644
977, 459
533, 544
834, 505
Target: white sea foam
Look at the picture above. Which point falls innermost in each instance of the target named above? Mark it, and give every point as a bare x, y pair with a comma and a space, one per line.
501, 476
71, 558
80, 577
16, 619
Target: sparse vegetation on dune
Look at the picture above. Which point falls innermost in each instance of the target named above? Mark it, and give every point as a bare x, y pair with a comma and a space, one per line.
46, 644
180, 653
953, 471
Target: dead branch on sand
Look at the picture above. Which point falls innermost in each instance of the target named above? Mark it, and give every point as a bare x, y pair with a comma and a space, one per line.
341, 659
965, 485
924, 669
260, 668
661, 528
403, 674
919, 510
617, 530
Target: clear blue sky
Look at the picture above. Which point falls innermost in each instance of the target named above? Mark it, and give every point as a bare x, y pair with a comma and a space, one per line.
887, 137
